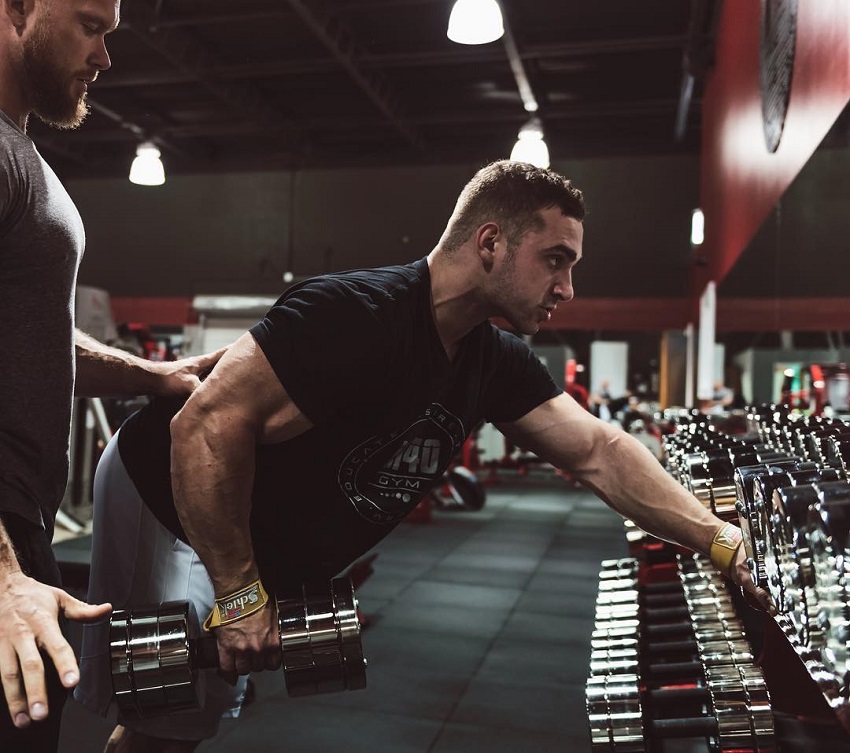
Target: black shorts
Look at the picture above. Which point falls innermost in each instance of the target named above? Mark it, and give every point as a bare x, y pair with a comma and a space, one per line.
36, 558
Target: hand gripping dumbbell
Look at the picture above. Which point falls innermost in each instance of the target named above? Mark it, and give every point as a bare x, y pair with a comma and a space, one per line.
156, 652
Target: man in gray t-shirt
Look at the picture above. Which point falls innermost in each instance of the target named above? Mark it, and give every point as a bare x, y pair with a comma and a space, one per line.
50, 52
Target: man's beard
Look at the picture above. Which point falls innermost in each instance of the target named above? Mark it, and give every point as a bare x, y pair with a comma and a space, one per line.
49, 86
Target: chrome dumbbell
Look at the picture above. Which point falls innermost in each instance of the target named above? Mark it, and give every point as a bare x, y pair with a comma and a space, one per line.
827, 536
156, 652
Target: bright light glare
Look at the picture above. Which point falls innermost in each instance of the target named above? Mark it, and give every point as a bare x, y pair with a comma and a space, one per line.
147, 169
475, 22
697, 227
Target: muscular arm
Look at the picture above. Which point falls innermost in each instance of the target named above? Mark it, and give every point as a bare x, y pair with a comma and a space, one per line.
624, 474
214, 437
618, 468
103, 371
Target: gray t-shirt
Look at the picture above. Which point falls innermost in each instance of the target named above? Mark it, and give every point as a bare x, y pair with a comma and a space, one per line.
41, 243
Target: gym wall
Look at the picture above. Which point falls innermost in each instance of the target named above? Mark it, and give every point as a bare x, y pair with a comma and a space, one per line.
238, 233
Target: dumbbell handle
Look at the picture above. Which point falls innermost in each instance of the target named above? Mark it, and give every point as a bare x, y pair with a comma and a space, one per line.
655, 600
698, 726
671, 647
665, 614
664, 629
204, 652
663, 586
678, 695
675, 669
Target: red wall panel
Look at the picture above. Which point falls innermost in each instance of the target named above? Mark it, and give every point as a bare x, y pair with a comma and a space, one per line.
740, 180
163, 312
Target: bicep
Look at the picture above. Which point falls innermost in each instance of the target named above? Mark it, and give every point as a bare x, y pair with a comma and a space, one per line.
244, 390
559, 431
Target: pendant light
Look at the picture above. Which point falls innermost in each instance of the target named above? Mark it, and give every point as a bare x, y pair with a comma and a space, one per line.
475, 22
530, 146
147, 169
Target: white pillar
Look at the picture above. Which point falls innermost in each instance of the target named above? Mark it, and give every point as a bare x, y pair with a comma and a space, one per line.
689, 365
705, 355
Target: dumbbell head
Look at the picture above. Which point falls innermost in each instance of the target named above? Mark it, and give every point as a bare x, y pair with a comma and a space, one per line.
320, 640
826, 536
152, 664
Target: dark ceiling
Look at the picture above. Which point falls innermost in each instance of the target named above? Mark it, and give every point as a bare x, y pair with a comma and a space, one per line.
274, 84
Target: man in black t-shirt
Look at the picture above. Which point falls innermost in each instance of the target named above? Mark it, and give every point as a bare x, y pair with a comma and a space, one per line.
327, 422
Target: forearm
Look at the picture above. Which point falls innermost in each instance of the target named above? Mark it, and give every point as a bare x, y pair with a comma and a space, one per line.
104, 371
212, 466
626, 475
8, 559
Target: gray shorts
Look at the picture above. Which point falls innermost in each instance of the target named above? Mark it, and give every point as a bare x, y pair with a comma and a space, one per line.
137, 561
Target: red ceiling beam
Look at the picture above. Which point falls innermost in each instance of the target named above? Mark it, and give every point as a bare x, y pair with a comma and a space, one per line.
775, 314
608, 314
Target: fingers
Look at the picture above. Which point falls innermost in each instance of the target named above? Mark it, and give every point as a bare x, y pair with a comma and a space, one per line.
35, 687
235, 663
52, 640
760, 599
22, 675
80, 611
204, 364
60, 653
274, 658
756, 597
227, 665
13, 688
249, 645
213, 358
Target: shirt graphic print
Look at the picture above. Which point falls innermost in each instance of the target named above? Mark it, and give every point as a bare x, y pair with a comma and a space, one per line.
385, 477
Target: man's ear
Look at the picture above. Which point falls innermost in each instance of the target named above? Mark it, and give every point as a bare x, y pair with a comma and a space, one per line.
486, 237
17, 11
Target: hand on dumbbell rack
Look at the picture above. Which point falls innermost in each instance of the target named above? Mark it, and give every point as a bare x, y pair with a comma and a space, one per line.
730, 558
756, 596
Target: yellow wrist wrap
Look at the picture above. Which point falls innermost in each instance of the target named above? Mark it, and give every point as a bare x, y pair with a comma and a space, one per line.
726, 542
237, 605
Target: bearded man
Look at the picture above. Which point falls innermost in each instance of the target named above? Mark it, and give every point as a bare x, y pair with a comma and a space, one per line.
50, 51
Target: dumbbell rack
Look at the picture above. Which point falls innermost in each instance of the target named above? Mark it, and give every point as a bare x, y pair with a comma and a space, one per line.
670, 661
782, 486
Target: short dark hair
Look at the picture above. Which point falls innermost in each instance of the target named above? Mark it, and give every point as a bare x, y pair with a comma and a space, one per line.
512, 194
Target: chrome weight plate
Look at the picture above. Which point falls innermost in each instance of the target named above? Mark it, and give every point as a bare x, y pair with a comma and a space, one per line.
827, 538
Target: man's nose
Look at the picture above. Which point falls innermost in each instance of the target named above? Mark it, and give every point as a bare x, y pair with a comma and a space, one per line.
564, 289
100, 56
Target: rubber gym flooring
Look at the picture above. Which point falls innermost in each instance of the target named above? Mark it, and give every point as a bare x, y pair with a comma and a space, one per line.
479, 638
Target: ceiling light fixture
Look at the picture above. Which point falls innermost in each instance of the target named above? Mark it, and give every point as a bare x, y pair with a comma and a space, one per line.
475, 22
530, 146
147, 169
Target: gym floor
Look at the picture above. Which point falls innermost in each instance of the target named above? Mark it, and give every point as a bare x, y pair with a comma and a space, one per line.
479, 638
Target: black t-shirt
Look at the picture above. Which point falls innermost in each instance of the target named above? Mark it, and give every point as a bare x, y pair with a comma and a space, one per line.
359, 354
